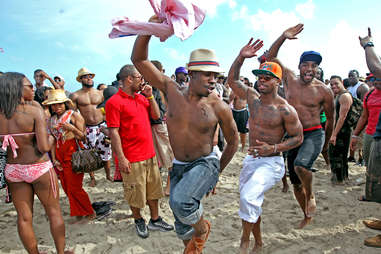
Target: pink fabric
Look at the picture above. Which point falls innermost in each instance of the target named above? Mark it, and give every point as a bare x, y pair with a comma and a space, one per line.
180, 17
9, 140
30, 173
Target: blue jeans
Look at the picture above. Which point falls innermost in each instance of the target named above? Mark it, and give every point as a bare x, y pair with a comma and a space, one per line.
190, 182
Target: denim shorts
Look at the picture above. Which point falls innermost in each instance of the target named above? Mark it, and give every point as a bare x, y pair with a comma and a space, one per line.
190, 182
305, 154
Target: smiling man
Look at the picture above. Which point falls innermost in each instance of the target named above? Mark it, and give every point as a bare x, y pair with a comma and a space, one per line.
309, 96
270, 118
193, 114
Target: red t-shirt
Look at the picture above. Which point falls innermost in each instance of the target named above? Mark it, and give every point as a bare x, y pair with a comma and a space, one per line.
374, 106
131, 116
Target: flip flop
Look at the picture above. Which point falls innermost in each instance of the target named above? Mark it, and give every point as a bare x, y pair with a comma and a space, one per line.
196, 244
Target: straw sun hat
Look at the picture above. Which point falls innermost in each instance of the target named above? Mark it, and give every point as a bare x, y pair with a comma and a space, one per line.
57, 96
203, 60
83, 71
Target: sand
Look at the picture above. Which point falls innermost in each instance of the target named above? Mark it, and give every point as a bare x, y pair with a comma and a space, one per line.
336, 228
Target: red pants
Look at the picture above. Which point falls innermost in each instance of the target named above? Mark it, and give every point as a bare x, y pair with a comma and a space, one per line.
71, 182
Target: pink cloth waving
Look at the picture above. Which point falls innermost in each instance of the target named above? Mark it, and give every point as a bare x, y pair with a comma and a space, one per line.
181, 17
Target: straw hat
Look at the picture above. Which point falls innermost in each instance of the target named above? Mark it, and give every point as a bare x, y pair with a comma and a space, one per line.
57, 96
203, 60
83, 71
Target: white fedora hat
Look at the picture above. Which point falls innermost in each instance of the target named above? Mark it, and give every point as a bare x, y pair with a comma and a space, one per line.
203, 60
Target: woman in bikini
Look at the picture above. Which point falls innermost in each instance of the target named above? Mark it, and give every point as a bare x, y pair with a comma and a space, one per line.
68, 126
29, 171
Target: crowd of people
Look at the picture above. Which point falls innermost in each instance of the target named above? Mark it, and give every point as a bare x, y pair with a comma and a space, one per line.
190, 125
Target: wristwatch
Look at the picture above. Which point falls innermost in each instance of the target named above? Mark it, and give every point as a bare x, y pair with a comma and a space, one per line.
369, 44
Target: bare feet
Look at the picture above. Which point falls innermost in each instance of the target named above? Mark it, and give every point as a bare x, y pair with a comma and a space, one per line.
311, 207
92, 182
108, 178
85, 219
257, 248
69, 252
304, 222
285, 188
244, 246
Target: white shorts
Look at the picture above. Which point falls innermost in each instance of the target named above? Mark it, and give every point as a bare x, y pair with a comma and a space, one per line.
258, 175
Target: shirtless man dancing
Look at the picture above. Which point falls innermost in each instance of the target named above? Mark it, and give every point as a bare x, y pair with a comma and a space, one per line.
193, 115
270, 118
308, 96
86, 100
241, 116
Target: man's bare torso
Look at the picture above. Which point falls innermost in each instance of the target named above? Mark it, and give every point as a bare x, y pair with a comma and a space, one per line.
87, 102
239, 103
266, 121
307, 99
191, 124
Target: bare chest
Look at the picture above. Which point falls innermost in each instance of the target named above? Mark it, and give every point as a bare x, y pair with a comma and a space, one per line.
303, 97
88, 99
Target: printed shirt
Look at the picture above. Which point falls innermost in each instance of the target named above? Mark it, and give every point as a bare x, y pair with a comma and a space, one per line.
131, 116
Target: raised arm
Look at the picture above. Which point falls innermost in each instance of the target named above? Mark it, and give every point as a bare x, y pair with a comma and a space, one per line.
55, 85
345, 105
139, 58
248, 51
272, 54
372, 60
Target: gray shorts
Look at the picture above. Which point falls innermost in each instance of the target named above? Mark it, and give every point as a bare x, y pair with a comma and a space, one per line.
305, 154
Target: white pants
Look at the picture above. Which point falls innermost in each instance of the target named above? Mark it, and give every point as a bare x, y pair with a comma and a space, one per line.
257, 176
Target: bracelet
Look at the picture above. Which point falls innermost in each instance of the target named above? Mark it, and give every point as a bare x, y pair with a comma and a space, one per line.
150, 98
369, 44
274, 148
354, 136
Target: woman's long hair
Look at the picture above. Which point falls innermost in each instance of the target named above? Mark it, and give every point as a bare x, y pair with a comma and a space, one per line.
11, 92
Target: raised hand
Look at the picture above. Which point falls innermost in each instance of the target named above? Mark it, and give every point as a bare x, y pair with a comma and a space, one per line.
155, 19
366, 39
250, 49
292, 32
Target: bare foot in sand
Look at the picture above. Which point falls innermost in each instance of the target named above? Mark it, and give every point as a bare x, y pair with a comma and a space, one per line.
257, 248
244, 247
109, 178
311, 207
85, 219
304, 222
285, 188
69, 252
92, 182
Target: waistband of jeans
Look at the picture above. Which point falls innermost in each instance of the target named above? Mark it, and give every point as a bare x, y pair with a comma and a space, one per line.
212, 155
95, 125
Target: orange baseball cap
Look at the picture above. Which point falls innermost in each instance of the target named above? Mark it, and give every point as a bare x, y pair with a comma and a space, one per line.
269, 68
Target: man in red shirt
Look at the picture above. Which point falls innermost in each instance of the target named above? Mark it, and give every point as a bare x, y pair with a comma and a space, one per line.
127, 116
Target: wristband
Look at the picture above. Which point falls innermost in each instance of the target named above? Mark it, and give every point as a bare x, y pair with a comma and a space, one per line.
354, 136
274, 148
368, 44
150, 98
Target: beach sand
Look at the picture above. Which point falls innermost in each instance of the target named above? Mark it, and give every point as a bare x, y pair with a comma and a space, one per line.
336, 228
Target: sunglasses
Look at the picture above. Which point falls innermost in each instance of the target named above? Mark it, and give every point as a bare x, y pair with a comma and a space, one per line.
88, 76
138, 77
30, 86
374, 79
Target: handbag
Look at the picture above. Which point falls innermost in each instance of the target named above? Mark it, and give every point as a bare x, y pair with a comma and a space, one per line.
3, 162
86, 160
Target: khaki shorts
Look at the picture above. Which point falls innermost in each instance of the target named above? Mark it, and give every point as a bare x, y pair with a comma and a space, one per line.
143, 183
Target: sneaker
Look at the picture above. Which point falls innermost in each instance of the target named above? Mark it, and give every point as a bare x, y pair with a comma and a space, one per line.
141, 228
159, 225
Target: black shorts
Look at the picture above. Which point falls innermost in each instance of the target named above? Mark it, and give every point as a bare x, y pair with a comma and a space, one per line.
305, 154
241, 117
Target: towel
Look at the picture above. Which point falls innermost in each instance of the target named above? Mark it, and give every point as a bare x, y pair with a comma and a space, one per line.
181, 18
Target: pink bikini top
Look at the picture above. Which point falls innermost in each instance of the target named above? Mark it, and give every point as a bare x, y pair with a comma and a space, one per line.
10, 141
